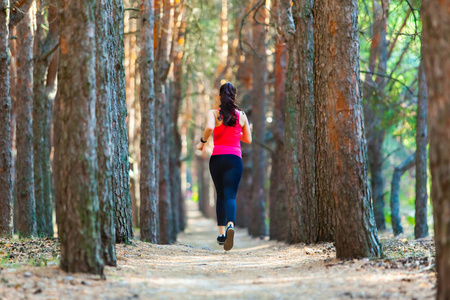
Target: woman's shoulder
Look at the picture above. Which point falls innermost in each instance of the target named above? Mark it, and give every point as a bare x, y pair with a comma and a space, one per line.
241, 113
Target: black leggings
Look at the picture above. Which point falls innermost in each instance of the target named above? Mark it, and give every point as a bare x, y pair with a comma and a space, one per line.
226, 172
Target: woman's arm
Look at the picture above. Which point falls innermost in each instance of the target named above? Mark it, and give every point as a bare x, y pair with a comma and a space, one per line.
246, 135
210, 124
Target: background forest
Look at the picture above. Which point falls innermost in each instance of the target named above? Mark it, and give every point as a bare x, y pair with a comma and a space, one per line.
103, 103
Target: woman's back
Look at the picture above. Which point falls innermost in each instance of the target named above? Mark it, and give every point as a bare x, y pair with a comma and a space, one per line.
227, 139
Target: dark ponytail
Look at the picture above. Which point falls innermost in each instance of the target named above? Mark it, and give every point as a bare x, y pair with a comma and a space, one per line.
227, 104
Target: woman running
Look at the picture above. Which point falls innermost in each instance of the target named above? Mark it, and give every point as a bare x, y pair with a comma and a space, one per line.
229, 126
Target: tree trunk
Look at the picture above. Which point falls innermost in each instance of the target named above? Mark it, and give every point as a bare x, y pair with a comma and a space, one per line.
18, 11
374, 109
436, 30
105, 147
26, 222
13, 97
75, 158
171, 181
421, 226
43, 47
149, 211
175, 159
121, 181
203, 178
375, 157
49, 196
279, 225
244, 195
303, 207
337, 92
395, 186
257, 225
162, 141
244, 77
6, 185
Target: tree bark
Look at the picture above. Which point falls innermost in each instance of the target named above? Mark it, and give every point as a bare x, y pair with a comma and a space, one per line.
75, 157
162, 65
244, 195
19, 10
6, 184
303, 206
436, 30
26, 222
395, 186
44, 44
257, 225
421, 226
279, 225
149, 211
338, 95
172, 172
103, 112
121, 181
175, 159
48, 136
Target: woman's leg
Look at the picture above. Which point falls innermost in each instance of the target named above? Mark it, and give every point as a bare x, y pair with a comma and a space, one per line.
231, 179
216, 170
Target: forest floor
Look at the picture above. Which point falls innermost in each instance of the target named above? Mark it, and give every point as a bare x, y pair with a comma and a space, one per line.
197, 268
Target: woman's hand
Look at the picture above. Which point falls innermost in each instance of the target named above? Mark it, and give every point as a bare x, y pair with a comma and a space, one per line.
200, 146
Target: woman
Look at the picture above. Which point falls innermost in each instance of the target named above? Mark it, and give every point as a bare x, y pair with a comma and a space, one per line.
229, 126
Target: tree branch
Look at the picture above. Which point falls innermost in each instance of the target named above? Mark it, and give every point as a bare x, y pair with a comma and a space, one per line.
261, 144
414, 15
394, 42
387, 76
243, 22
131, 9
46, 55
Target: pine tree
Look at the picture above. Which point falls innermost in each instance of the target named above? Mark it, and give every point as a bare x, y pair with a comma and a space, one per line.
337, 92
75, 160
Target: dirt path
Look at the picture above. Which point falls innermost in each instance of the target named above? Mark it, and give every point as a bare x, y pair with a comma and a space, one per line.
197, 268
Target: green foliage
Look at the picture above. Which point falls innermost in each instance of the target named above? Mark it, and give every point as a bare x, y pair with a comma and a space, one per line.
397, 99
195, 192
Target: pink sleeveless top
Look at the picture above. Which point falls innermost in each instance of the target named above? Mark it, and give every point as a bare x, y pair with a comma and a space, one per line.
227, 139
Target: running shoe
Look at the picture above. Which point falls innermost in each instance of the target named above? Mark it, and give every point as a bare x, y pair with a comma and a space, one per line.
221, 239
229, 238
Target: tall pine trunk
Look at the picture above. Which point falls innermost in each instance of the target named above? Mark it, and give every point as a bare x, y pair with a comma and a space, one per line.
105, 148
121, 181
175, 159
6, 185
26, 209
75, 158
279, 225
338, 93
436, 30
257, 225
421, 226
161, 111
149, 210
44, 45
300, 135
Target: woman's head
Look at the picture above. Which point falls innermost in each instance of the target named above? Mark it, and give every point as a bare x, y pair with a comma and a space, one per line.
227, 104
